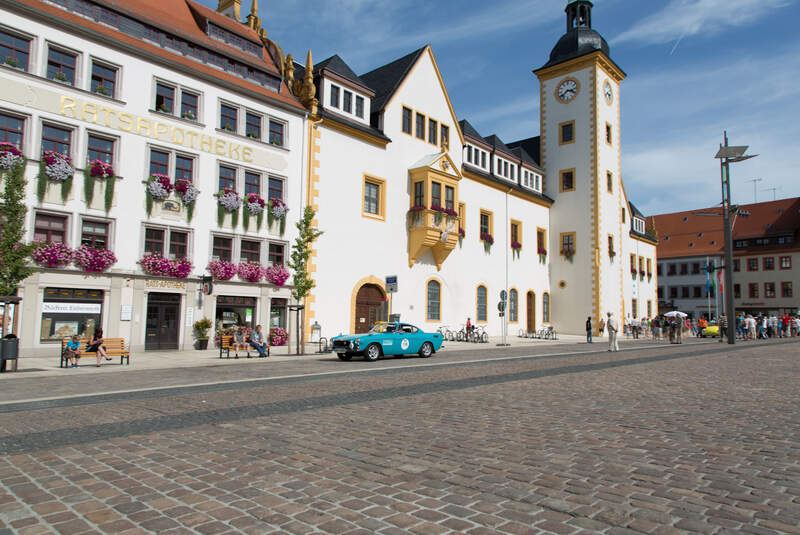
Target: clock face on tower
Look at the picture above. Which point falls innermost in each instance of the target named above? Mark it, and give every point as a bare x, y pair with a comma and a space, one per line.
567, 89
608, 92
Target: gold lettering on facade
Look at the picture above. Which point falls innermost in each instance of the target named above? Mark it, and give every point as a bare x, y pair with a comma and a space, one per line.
219, 147
126, 120
108, 114
247, 154
87, 108
142, 124
68, 103
206, 142
178, 285
233, 151
175, 131
160, 129
192, 139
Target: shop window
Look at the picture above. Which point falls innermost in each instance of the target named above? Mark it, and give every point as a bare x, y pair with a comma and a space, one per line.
252, 183
546, 307
480, 304
769, 289
100, 148
165, 98
159, 162
433, 129
15, 47
67, 312
222, 248
184, 167
228, 117
178, 244
769, 263
250, 251
347, 101
61, 66
235, 311
420, 126
276, 131
277, 313
94, 234
154, 241
227, 178
275, 188
104, 79
406, 126
252, 125
12, 129
56, 139
50, 228
786, 289
433, 305
513, 301
276, 254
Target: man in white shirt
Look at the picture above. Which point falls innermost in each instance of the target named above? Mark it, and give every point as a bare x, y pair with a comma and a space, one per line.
613, 328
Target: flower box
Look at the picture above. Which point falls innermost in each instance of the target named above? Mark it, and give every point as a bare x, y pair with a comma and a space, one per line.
221, 270
10, 156
93, 260
487, 238
100, 169
278, 336
251, 271
159, 186
164, 267
277, 275
52, 255
541, 251
516, 245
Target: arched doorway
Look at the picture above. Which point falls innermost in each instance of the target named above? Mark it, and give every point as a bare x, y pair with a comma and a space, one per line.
371, 306
531, 315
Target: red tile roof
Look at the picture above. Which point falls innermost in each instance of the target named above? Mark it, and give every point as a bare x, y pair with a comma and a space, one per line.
179, 17
683, 234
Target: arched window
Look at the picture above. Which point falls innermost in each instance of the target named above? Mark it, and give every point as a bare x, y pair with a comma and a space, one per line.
546, 308
480, 312
434, 301
512, 306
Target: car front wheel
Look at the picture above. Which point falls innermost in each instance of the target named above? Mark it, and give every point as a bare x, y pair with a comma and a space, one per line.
345, 357
372, 352
426, 350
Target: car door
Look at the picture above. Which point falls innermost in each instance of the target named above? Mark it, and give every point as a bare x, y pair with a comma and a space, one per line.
411, 339
389, 341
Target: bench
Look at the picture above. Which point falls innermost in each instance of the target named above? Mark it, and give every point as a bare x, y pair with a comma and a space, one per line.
226, 344
115, 347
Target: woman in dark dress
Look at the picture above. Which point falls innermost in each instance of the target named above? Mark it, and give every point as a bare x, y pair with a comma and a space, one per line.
96, 346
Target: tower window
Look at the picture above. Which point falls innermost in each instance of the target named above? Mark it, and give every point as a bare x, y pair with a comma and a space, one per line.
609, 182
566, 133
568, 180
609, 135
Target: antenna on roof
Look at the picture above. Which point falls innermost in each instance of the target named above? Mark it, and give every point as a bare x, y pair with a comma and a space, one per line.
774, 192
755, 182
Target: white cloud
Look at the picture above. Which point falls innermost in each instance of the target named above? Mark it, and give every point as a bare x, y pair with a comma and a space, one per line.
684, 18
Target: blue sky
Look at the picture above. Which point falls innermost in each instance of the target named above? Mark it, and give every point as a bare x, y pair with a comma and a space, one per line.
695, 68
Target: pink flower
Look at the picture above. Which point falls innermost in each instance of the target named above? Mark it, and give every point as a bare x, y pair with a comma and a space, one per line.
221, 269
251, 271
93, 260
277, 275
52, 255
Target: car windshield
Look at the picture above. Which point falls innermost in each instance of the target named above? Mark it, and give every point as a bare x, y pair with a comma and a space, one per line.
382, 328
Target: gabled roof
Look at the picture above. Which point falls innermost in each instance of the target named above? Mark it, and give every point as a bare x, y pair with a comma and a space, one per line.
386, 80
469, 130
337, 65
532, 146
497, 144
635, 211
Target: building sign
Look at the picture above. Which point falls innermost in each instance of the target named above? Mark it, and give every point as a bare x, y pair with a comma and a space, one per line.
177, 285
71, 308
28, 95
391, 284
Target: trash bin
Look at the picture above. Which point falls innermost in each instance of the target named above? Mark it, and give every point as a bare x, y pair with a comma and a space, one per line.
9, 350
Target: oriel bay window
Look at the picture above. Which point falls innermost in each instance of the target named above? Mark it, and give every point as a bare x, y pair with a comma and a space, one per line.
432, 190
436, 194
449, 197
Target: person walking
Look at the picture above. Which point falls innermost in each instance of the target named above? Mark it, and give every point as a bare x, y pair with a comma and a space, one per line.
589, 330
613, 329
601, 326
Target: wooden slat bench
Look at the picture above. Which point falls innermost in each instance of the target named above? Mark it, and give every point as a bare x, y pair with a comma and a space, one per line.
115, 347
226, 344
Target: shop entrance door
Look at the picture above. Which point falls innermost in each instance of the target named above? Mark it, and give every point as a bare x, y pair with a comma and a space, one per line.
163, 313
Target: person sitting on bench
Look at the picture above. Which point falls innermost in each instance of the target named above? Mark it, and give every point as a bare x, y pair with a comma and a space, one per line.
239, 340
96, 346
257, 341
71, 352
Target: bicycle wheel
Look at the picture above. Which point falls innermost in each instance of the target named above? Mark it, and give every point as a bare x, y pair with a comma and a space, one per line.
460, 336
484, 337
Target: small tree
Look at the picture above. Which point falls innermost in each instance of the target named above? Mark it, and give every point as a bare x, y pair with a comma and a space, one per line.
14, 267
301, 252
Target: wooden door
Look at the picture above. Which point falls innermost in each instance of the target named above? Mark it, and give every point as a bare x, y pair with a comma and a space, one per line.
531, 315
369, 307
163, 315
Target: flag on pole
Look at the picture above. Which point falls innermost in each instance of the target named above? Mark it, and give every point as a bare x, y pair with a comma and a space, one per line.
720, 281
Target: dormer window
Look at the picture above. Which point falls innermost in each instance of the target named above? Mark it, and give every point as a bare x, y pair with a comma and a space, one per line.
638, 225
347, 102
334, 96
360, 107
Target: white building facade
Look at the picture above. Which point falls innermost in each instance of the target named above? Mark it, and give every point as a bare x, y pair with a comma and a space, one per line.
193, 96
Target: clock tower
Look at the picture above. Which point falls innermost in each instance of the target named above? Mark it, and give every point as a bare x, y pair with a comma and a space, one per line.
580, 152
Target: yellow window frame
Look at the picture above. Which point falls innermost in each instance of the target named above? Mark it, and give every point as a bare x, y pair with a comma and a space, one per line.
381, 183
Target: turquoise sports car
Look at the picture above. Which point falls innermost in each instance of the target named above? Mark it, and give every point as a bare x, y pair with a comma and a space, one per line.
387, 339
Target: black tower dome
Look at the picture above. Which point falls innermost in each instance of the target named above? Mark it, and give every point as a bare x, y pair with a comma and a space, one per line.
580, 38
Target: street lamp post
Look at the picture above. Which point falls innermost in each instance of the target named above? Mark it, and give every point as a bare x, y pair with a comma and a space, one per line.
727, 155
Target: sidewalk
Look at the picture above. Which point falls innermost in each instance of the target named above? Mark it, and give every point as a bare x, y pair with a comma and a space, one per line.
153, 360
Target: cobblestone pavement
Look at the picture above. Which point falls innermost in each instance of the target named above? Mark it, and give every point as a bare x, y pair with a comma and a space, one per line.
694, 438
